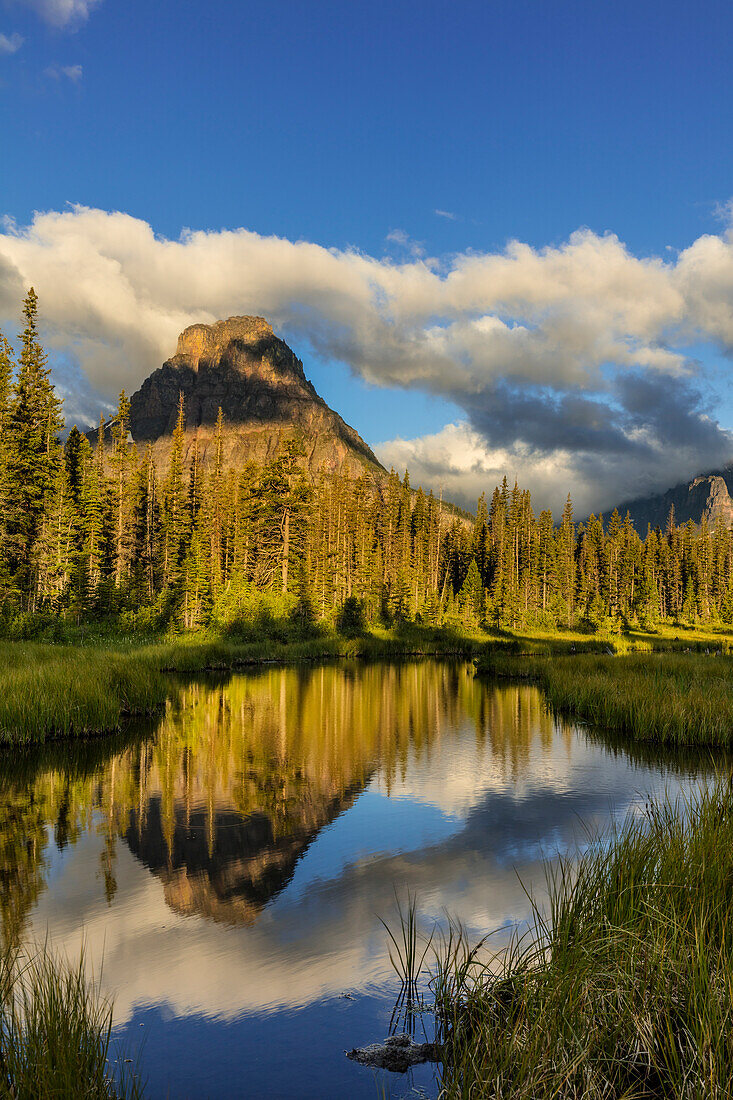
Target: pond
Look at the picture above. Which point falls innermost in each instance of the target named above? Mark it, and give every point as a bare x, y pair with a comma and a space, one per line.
229, 863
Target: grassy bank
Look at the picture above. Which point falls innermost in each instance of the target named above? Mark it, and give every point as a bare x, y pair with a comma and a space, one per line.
55, 1034
51, 690
626, 989
91, 680
671, 698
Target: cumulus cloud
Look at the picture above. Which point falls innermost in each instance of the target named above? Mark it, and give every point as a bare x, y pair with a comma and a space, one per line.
10, 43
68, 72
61, 13
570, 362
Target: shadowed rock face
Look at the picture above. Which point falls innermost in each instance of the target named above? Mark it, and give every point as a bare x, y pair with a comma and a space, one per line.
240, 366
707, 496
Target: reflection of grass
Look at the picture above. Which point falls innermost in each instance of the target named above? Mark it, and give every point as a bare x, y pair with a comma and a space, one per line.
57, 690
55, 1033
684, 699
626, 990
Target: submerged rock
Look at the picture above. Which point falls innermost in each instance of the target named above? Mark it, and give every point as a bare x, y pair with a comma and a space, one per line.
397, 1053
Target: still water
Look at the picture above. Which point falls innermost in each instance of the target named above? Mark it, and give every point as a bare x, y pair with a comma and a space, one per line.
230, 862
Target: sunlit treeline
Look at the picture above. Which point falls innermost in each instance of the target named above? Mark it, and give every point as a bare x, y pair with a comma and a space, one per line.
98, 530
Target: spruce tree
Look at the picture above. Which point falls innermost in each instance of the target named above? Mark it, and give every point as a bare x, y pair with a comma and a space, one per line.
33, 423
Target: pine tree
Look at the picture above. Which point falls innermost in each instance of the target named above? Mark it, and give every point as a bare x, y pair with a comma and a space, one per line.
471, 596
174, 523
33, 423
122, 461
7, 367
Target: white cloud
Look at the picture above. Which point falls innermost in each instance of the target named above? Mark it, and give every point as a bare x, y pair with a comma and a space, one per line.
10, 43
61, 13
570, 361
446, 214
399, 237
70, 72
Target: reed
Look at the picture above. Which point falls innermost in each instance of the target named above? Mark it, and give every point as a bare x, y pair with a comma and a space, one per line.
56, 1034
623, 987
677, 699
407, 953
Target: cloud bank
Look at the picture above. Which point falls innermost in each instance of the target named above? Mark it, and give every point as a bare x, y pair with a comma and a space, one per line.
571, 362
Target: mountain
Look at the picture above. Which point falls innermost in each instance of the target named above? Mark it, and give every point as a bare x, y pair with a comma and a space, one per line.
242, 367
222, 864
708, 495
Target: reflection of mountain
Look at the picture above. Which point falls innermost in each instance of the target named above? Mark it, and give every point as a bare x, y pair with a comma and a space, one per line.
245, 773
222, 800
220, 864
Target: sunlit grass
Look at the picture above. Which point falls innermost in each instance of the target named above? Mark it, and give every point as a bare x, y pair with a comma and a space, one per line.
54, 690
89, 683
684, 699
65, 691
624, 988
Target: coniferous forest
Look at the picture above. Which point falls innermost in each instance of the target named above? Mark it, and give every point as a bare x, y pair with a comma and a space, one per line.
97, 531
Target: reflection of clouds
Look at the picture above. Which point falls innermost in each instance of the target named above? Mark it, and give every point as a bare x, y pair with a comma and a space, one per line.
322, 934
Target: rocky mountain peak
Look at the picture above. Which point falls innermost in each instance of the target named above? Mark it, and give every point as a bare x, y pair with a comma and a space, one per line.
240, 366
199, 341
707, 496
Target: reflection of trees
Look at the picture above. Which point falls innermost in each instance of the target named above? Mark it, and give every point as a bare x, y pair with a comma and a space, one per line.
46, 799
221, 800
22, 847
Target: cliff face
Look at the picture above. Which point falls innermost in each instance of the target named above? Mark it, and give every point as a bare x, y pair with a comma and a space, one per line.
242, 367
707, 496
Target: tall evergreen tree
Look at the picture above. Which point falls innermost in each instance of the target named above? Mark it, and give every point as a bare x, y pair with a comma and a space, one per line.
33, 423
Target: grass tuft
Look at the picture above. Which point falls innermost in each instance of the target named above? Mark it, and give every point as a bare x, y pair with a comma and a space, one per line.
55, 1034
624, 988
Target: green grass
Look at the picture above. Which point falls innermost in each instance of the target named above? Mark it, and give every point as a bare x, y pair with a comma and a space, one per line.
51, 690
90, 683
669, 698
63, 691
624, 988
56, 1034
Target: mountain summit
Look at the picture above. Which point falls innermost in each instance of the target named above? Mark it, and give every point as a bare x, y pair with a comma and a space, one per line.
707, 496
242, 367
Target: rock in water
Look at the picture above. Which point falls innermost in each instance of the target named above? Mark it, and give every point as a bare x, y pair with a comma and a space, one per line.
242, 367
397, 1053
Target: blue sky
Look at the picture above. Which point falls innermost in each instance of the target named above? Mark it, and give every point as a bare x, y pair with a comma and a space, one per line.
412, 134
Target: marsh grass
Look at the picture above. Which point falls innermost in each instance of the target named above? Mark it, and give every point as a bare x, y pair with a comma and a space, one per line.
670, 698
48, 691
407, 954
56, 1034
59, 691
623, 987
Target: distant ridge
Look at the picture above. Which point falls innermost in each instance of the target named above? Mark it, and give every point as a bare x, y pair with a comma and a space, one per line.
708, 496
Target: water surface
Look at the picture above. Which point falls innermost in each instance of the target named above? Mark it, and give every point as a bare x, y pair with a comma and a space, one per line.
230, 862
